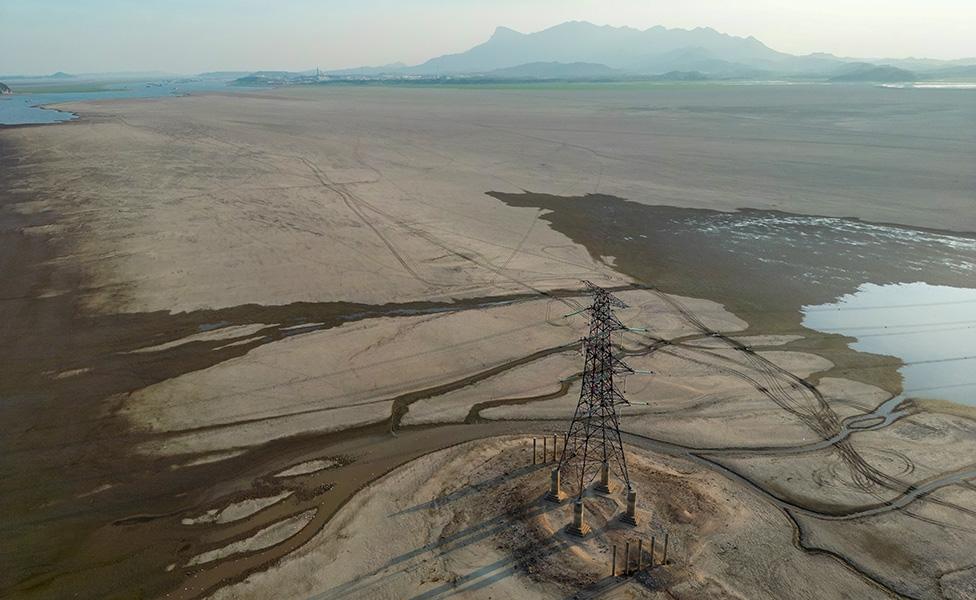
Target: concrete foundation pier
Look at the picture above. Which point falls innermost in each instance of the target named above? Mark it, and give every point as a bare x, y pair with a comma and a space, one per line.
604, 484
631, 515
578, 527
554, 494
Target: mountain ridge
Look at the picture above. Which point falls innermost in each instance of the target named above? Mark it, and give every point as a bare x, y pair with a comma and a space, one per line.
631, 52
583, 42
868, 72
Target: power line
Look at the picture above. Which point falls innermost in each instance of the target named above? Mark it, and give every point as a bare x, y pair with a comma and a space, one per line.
884, 306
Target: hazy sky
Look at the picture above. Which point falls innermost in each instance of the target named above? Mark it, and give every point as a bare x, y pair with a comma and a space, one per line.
41, 36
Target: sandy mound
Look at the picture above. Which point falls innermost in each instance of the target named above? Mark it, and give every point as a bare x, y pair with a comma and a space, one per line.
471, 521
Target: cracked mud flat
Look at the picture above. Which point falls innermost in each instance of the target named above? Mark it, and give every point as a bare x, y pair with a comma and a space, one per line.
191, 286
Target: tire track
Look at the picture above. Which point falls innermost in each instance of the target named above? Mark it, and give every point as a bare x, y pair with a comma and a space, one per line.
351, 202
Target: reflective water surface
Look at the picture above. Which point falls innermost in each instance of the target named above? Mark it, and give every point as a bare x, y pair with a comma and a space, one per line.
23, 109
932, 328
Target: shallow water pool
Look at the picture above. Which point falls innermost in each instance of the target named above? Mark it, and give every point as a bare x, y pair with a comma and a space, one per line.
932, 328
24, 109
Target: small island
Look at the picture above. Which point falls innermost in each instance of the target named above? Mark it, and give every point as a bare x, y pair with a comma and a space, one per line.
5, 89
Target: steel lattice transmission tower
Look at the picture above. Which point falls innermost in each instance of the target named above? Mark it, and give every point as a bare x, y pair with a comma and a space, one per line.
592, 445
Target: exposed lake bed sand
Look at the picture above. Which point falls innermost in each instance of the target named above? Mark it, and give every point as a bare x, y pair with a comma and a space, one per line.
247, 296
471, 520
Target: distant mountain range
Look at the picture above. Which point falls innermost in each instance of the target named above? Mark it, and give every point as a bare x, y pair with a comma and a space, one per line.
581, 50
116, 75
620, 48
58, 75
555, 70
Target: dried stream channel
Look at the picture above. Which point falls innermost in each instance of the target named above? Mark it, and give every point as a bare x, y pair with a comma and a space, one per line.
763, 266
378, 453
103, 359
81, 507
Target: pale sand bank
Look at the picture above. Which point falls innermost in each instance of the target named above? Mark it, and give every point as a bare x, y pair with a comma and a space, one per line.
350, 375
265, 538
237, 510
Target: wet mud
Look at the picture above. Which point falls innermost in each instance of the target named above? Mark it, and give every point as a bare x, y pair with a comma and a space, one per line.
84, 512
762, 265
72, 488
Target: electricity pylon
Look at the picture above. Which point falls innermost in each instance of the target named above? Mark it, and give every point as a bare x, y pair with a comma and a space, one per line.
592, 444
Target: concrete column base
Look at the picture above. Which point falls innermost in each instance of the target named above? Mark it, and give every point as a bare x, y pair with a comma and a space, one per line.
630, 517
603, 486
578, 531
578, 527
555, 494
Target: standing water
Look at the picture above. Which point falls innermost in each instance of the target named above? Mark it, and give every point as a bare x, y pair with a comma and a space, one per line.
931, 328
23, 109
